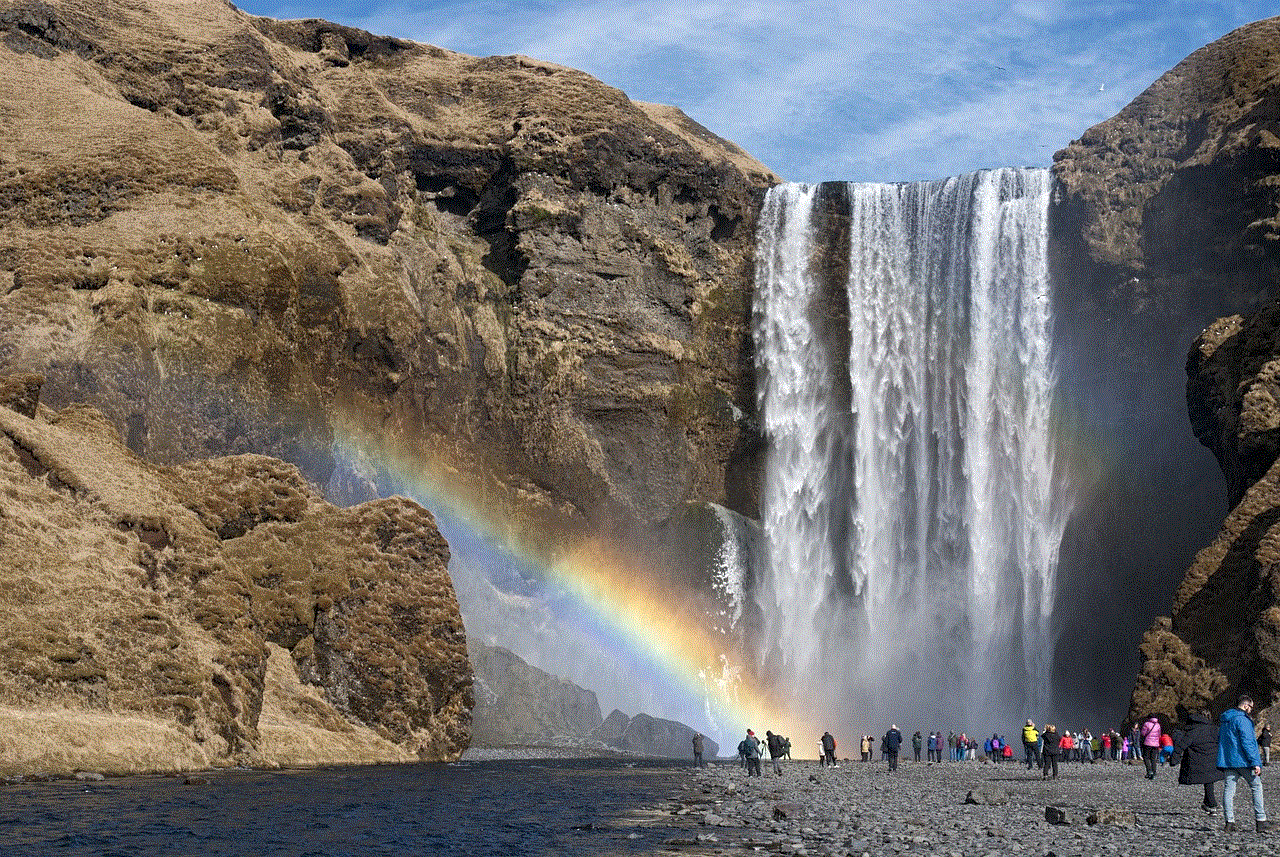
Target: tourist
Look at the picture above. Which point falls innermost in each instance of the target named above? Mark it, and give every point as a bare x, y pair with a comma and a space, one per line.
932, 746
1031, 743
917, 742
1050, 752
1104, 746
865, 747
1238, 758
753, 754
1150, 733
1264, 743
1166, 749
1197, 745
697, 750
786, 748
742, 751
829, 748
774, 743
892, 741
1066, 744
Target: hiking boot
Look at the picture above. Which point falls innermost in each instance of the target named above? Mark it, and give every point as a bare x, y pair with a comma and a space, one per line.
1229, 826
1263, 826
1208, 810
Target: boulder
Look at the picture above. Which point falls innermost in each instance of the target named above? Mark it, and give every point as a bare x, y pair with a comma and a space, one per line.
1113, 816
1057, 815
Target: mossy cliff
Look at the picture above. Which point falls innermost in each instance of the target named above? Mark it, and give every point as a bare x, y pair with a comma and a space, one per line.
217, 612
233, 234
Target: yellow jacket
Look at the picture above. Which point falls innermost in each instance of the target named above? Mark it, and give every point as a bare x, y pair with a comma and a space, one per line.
1030, 735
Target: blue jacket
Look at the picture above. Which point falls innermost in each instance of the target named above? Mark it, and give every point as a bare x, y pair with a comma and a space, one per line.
1237, 746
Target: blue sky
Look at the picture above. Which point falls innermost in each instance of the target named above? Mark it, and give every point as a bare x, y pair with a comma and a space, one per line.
896, 90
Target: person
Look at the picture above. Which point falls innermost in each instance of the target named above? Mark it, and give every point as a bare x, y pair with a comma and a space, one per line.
1150, 733
829, 748
697, 750
1166, 749
786, 748
1104, 746
742, 753
917, 742
1197, 746
1264, 743
1050, 752
864, 746
753, 754
892, 741
774, 743
1238, 759
1031, 743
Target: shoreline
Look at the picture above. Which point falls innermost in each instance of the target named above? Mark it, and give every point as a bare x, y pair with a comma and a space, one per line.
860, 808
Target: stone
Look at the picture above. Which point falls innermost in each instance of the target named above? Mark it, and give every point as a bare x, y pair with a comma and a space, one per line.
988, 795
788, 811
1113, 816
1057, 815
89, 776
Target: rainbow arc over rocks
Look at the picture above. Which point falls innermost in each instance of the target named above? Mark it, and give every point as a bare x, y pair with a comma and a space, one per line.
583, 609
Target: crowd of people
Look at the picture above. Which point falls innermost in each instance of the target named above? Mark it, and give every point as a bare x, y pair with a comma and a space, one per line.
1231, 750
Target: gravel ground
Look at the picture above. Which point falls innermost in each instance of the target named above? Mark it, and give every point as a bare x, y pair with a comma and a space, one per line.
861, 808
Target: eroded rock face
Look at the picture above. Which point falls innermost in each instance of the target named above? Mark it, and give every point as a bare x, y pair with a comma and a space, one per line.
517, 703
1223, 635
233, 234
217, 612
1165, 219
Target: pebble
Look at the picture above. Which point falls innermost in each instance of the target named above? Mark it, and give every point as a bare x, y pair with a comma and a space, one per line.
862, 808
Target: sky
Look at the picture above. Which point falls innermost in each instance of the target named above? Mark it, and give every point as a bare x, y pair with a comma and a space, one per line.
896, 90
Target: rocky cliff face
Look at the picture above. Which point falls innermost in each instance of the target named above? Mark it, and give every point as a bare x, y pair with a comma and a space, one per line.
217, 612
1223, 634
233, 234
516, 703
1165, 219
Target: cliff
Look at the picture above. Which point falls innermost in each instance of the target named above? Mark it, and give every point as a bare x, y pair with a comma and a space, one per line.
232, 234
216, 612
516, 703
1164, 220
1223, 633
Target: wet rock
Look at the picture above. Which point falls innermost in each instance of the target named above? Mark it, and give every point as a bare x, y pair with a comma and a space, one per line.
788, 811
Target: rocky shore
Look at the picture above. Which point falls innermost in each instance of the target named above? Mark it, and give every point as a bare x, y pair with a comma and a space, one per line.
964, 808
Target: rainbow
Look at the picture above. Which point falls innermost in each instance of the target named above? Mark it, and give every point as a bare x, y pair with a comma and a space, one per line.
638, 615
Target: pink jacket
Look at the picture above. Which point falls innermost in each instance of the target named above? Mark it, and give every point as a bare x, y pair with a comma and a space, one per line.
1151, 732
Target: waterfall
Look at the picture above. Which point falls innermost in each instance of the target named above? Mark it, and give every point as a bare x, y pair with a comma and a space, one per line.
911, 520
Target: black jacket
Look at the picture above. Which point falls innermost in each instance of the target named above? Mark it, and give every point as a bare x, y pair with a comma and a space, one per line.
1197, 743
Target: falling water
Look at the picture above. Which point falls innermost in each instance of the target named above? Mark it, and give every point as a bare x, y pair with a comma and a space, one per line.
910, 512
